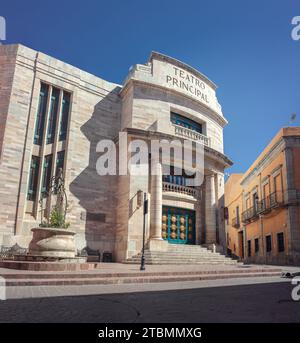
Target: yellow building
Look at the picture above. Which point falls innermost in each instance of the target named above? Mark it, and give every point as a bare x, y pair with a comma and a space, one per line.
262, 206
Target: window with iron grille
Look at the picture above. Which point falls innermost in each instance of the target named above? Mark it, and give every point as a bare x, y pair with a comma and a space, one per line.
280, 241
256, 245
249, 248
268, 243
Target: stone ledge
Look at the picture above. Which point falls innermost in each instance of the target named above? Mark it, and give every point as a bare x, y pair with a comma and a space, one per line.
48, 266
134, 279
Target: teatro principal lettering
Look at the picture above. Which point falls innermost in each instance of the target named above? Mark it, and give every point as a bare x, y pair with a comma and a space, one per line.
188, 82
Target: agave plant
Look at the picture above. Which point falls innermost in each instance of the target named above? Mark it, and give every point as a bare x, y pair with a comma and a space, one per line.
57, 216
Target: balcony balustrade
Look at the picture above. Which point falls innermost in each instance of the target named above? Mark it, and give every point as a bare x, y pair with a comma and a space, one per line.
191, 134
236, 222
172, 187
250, 214
275, 199
272, 201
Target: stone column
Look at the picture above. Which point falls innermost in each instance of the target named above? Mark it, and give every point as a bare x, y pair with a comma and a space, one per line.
156, 202
156, 242
210, 209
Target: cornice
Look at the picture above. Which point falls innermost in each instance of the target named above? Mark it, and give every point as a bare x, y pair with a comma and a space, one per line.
272, 153
210, 152
215, 116
180, 64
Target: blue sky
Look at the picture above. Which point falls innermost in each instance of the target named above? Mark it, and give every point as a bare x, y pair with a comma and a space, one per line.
244, 47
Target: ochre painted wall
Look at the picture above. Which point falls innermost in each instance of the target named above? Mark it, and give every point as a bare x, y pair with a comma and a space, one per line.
267, 177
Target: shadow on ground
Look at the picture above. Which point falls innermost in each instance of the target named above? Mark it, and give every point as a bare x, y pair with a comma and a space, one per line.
243, 303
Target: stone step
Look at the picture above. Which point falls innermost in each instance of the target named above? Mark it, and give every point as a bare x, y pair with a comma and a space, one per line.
178, 256
185, 248
182, 254
134, 279
180, 261
154, 258
184, 262
102, 274
49, 266
191, 250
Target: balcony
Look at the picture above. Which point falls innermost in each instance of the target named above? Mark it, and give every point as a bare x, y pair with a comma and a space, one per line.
236, 222
250, 214
275, 199
191, 134
172, 187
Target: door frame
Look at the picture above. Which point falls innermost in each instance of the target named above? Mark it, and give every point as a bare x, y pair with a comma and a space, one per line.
179, 212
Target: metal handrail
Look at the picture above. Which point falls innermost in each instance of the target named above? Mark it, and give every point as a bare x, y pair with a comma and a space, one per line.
273, 200
236, 222
249, 214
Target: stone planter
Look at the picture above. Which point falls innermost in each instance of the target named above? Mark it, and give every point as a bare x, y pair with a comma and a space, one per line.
52, 242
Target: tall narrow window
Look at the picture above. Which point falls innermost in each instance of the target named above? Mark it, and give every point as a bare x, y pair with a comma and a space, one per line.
256, 243
280, 242
64, 116
238, 215
255, 201
278, 196
52, 115
248, 203
269, 243
41, 114
46, 174
33, 178
249, 248
60, 161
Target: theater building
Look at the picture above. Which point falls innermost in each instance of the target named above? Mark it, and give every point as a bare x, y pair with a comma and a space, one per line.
52, 115
263, 223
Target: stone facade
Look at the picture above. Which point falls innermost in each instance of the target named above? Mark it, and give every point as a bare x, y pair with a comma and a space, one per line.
104, 210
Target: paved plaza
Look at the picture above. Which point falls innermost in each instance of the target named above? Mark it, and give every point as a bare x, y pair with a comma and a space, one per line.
240, 300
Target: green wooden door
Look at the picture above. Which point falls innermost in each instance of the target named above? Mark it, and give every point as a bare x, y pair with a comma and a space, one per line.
178, 225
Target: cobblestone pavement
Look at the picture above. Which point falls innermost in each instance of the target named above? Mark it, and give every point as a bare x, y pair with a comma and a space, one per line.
241, 300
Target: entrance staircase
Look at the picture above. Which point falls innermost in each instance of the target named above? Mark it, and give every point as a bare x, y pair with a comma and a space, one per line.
182, 254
